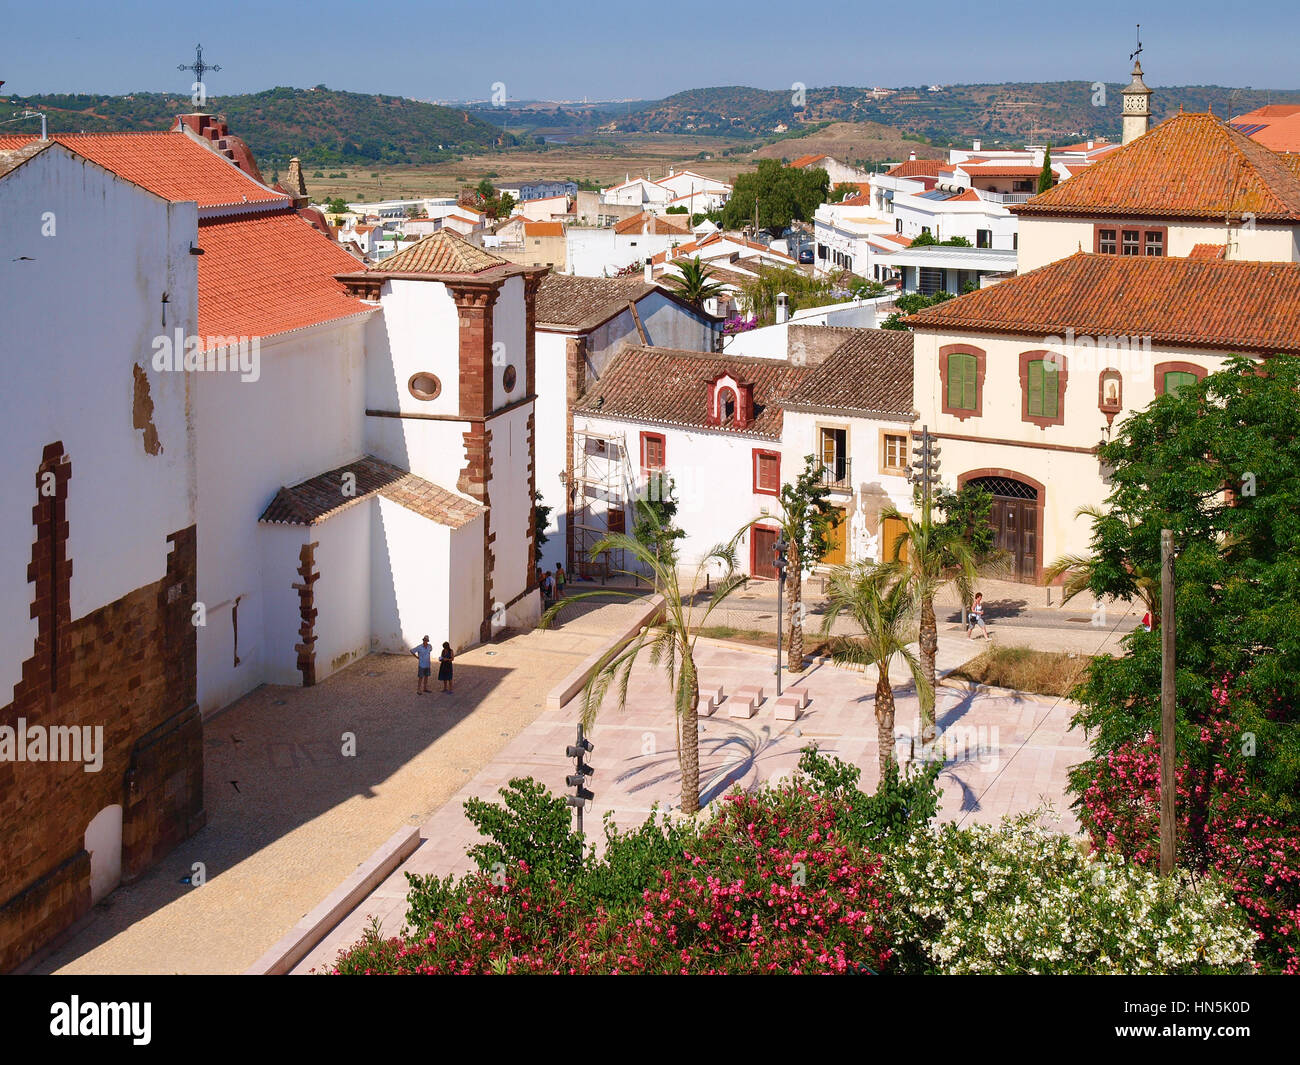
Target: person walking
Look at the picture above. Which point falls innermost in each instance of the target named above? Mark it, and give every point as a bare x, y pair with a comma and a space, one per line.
423, 652
977, 617
548, 588
444, 666
560, 580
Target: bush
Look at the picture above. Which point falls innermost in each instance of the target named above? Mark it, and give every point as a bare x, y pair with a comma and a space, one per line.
1013, 900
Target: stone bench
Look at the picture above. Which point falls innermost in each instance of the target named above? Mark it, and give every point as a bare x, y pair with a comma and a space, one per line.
710, 699
791, 704
739, 706
753, 692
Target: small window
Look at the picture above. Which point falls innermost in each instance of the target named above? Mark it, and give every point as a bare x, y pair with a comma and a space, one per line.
895, 451
1155, 242
424, 386
1106, 241
983, 238
1044, 389
898, 225
962, 381
509, 378
1176, 379
1131, 241
652, 451
767, 472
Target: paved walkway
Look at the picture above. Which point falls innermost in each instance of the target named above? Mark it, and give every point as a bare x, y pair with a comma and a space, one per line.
289, 817
1006, 753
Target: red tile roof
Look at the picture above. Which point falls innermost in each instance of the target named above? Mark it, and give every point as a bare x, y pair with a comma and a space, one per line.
998, 170
916, 168
443, 252
670, 387
1192, 166
544, 229
171, 165
1208, 251
265, 274
871, 372
1229, 306
319, 498
806, 160
657, 224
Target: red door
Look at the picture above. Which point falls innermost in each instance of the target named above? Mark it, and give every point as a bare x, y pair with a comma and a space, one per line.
763, 561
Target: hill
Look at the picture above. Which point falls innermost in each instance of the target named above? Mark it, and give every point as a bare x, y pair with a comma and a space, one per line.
1002, 114
324, 127
856, 143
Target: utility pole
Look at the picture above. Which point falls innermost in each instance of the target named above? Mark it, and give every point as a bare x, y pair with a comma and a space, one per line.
1167, 842
578, 778
779, 549
925, 471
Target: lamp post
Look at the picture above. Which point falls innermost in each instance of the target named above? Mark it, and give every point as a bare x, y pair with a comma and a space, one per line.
779, 549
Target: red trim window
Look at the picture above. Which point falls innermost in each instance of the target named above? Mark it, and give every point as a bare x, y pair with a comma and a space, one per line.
1171, 376
767, 472
653, 451
961, 380
1113, 238
1043, 375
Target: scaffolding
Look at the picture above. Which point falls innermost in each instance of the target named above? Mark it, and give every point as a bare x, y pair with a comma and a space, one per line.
602, 491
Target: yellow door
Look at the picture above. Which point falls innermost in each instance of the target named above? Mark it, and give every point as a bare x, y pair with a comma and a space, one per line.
835, 554
890, 530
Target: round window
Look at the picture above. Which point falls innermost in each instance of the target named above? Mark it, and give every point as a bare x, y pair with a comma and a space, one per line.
509, 378
424, 386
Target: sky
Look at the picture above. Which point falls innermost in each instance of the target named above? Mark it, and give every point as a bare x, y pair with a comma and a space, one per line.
606, 51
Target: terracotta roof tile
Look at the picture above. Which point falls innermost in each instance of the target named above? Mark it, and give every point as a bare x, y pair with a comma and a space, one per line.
319, 498
443, 252
1276, 127
1192, 166
582, 303
264, 274
170, 164
670, 387
871, 372
916, 168
544, 229
1208, 251
657, 224
1227, 306
806, 160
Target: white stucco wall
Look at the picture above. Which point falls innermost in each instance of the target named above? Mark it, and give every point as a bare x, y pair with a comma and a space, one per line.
342, 595
550, 442
410, 585
269, 652
1073, 479
511, 506
301, 417
81, 308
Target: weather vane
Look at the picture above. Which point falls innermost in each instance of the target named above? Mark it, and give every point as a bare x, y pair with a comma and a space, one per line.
199, 66
1134, 55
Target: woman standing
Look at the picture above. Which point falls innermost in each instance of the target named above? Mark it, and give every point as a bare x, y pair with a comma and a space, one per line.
444, 666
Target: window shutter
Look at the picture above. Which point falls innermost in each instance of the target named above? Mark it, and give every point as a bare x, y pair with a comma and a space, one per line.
1036, 388
961, 381
1051, 391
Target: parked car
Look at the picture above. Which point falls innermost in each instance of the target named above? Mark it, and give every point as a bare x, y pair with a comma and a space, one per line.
806, 256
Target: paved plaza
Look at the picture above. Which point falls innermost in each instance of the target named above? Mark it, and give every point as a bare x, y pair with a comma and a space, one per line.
1006, 753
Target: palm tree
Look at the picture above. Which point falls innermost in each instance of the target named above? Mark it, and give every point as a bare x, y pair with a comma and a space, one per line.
695, 284
881, 601
929, 557
671, 641
1078, 570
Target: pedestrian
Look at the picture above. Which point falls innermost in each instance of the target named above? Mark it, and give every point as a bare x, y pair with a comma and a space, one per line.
1146, 621
444, 666
977, 617
548, 587
560, 580
423, 652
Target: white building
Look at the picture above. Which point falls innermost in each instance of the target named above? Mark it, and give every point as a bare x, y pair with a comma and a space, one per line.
604, 252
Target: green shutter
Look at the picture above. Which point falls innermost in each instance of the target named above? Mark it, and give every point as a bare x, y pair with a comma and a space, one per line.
1176, 379
1036, 388
1044, 390
961, 381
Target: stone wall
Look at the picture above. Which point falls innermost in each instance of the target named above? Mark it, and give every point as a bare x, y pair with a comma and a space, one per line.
128, 668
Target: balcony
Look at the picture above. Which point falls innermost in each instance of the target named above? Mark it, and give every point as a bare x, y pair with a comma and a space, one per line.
1004, 197
838, 474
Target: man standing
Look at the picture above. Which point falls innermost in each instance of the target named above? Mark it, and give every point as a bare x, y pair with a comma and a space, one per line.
424, 655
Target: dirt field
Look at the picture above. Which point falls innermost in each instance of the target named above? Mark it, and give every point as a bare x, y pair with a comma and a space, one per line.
607, 163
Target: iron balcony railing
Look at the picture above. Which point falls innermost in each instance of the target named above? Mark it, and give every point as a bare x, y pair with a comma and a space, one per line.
838, 474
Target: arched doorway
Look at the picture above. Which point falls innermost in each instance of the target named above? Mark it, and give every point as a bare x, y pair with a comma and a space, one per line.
104, 844
1016, 517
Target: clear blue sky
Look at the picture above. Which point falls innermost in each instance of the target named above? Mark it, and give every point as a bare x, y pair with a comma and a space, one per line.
438, 50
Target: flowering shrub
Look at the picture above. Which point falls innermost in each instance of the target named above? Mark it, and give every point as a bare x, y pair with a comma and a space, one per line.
1016, 900
739, 324
1221, 826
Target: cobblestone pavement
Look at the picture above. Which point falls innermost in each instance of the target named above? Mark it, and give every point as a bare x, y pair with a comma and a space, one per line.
1004, 753
289, 817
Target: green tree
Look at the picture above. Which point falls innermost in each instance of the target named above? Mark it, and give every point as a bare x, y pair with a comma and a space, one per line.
806, 519
1046, 179
1080, 571
656, 515
782, 195
338, 205
910, 303
485, 189
671, 642
505, 204
541, 518
694, 283
1218, 463
882, 607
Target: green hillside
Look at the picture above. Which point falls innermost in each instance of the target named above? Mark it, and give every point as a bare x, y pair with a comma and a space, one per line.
322, 126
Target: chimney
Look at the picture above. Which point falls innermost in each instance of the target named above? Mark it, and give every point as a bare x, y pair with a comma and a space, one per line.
975, 146
912, 154
649, 272
1090, 146
782, 308
1136, 110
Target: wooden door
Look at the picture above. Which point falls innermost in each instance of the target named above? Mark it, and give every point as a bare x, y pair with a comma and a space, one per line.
890, 530
1015, 526
763, 560
835, 553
